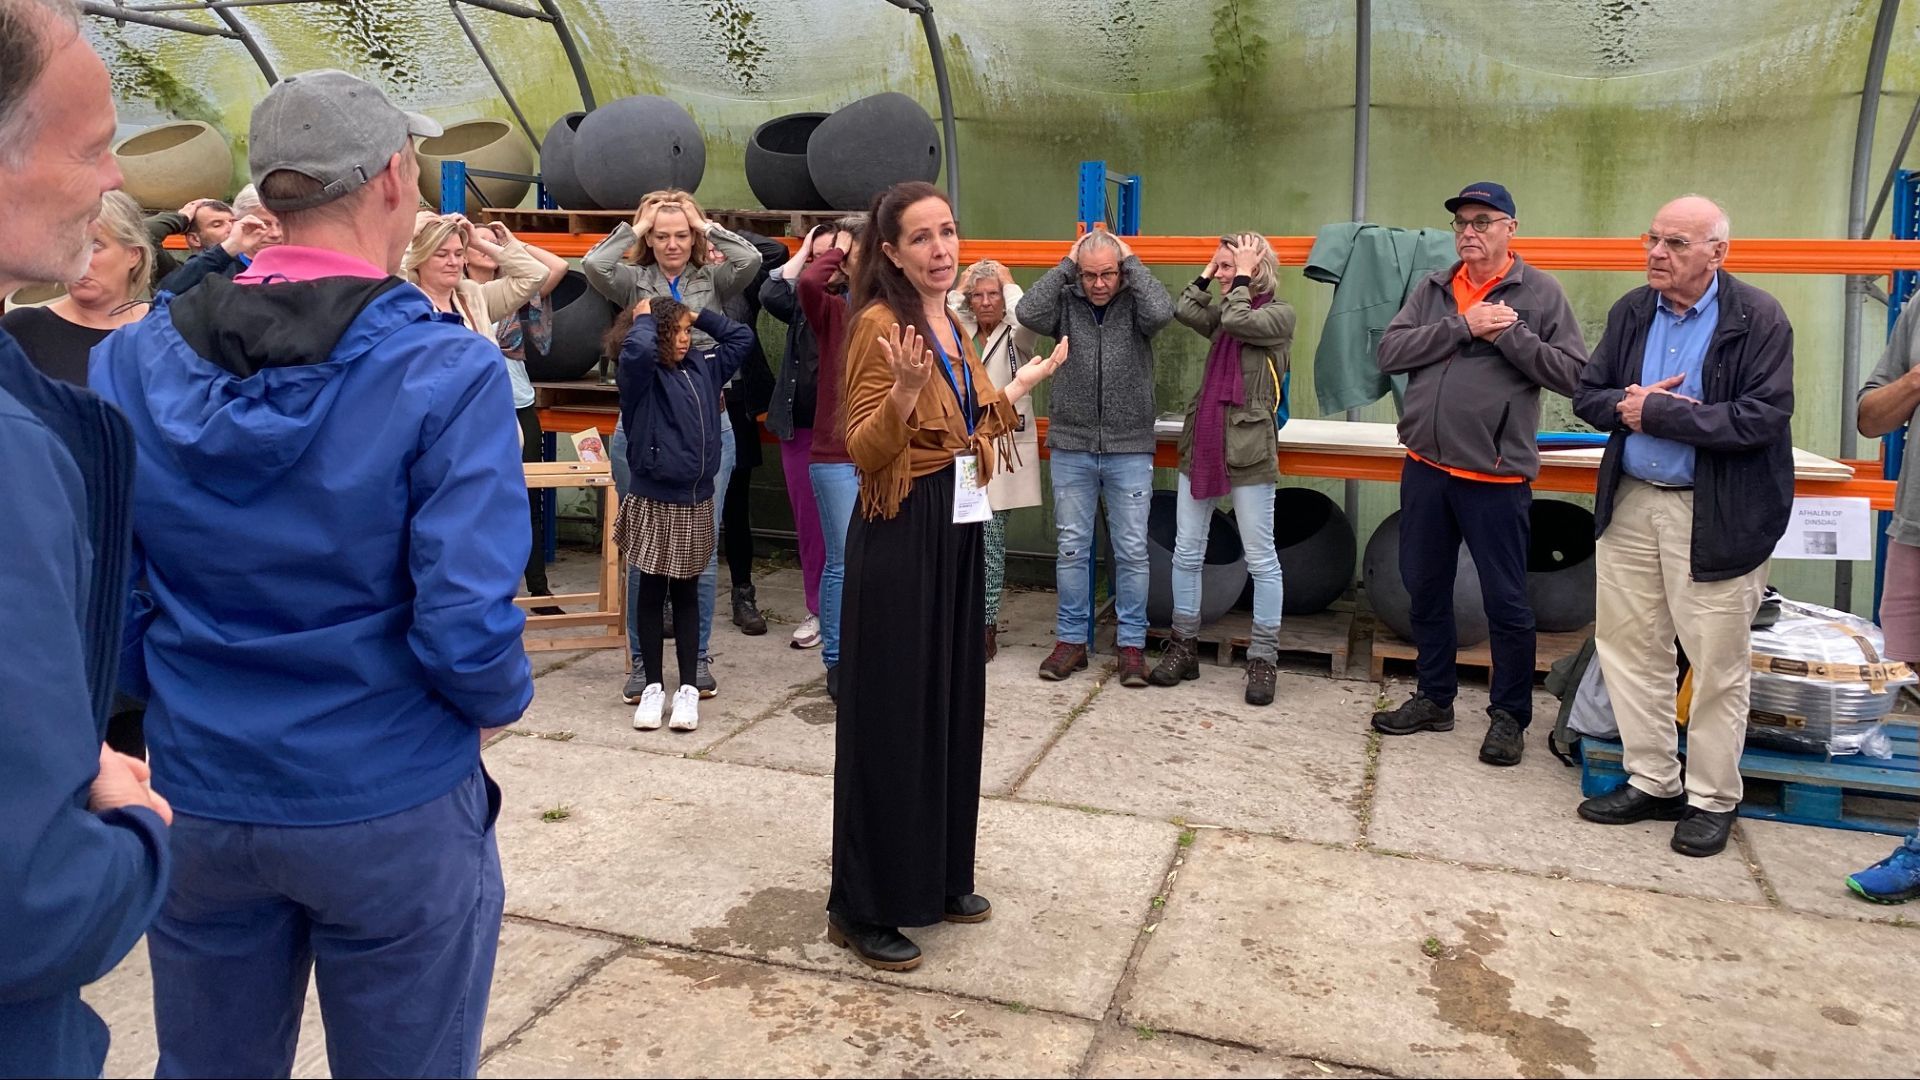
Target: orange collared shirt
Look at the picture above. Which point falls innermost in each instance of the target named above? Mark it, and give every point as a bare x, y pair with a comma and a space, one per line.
1465, 295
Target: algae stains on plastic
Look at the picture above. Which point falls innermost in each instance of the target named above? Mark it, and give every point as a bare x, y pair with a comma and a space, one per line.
387, 33
733, 19
139, 74
1239, 53
1620, 29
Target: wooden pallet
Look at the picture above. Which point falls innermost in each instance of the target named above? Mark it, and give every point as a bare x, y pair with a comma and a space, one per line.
1799, 788
1548, 649
602, 222
1327, 634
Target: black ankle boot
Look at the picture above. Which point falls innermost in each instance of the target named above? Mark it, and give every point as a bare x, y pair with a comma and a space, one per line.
746, 614
882, 947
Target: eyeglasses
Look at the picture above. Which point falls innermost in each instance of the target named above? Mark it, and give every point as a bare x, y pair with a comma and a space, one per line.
1102, 276
1480, 224
1678, 245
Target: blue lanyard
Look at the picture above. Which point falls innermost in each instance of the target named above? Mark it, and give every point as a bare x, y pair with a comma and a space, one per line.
673, 286
953, 383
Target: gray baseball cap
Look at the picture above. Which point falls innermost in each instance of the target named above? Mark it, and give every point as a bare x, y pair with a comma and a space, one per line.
330, 127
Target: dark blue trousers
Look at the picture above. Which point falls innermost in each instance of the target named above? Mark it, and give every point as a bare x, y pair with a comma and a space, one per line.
397, 918
1437, 511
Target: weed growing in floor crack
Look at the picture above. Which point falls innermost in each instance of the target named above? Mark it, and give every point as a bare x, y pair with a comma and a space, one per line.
1186, 838
1146, 1033
1019, 1007
558, 813
1432, 947
1159, 901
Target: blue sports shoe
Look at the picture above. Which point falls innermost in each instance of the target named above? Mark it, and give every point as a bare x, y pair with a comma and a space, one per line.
1894, 879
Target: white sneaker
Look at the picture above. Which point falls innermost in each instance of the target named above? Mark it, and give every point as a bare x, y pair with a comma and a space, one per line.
646, 716
686, 709
808, 634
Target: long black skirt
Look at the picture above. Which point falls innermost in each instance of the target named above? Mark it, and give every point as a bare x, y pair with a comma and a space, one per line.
912, 716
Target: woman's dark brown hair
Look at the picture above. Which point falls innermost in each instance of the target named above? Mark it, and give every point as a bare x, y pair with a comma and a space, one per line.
876, 279
666, 312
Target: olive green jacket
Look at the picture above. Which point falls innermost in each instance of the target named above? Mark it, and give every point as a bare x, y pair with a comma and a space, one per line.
1266, 339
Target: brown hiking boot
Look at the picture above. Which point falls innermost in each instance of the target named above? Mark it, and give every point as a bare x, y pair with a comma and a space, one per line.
993, 642
1178, 661
1066, 659
1260, 679
1133, 666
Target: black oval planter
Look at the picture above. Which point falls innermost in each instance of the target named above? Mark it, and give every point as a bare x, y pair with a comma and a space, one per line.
581, 317
627, 148
777, 163
1560, 582
1223, 572
871, 145
1387, 593
1315, 542
556, 165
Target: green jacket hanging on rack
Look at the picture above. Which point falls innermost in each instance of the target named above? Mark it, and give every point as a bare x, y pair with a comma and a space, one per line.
1371, 268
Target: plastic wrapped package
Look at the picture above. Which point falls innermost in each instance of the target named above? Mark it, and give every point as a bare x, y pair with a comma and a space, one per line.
1821, 685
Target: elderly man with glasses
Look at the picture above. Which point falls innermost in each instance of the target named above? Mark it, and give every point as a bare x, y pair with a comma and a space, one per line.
1694, 379
1105, 305
1477, 342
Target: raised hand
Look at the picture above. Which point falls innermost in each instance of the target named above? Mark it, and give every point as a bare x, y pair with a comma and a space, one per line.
643, 218
1036, 371
249, 235
907, 354
1246, 254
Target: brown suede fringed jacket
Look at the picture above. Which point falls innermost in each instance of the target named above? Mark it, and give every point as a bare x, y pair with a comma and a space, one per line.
891, 453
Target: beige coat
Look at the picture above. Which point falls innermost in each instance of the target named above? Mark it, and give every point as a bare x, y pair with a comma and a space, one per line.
1017, 484
480, 305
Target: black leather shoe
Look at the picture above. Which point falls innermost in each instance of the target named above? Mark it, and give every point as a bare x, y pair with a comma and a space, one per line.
1628, 805
881, 947
833, 684
968, 909
1506, 739
1702, 833
1418, 714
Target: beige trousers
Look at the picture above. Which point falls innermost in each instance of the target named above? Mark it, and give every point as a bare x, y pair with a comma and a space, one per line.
1647, 597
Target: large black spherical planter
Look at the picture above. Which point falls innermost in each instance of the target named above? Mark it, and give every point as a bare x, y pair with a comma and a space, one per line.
777, 163
869, 146
627, 148
1387, 594
581, 318
1314, 540
556, 165
1223, 572
1560, 583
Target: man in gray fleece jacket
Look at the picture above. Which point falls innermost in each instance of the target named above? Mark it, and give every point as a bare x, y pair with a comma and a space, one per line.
1477, 341
1107, 306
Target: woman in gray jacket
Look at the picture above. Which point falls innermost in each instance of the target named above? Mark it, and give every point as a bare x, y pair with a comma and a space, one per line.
669, 238
1228, 447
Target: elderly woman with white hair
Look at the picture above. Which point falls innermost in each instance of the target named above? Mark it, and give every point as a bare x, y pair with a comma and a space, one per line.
983, 304
1229, 448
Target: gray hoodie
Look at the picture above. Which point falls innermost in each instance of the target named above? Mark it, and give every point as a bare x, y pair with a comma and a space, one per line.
1474, 404
1102, 397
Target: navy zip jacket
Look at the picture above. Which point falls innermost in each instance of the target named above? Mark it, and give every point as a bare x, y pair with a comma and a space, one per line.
77, 889
331, 518
1742, 430
672, 414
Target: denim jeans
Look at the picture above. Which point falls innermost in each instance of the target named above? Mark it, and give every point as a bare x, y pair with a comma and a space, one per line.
836, 490
1253, 512
1080, 480
710, 579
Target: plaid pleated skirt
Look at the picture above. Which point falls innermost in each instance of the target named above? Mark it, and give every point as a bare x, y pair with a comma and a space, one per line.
670, 539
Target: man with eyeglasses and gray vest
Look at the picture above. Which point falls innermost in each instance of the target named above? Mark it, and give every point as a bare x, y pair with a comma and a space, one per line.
1477, 343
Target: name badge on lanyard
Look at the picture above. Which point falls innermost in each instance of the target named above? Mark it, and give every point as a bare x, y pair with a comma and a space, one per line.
970, 504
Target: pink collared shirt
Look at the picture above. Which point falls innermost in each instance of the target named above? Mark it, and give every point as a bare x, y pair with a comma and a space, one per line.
288, 262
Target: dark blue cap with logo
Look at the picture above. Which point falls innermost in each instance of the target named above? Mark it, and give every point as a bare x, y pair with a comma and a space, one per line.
1486, 193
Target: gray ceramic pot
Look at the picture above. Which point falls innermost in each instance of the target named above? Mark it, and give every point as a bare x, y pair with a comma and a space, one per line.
556, 165
1315, 542
1560, 583
871, 145
627, 148
581, 317
1388, 594
1223, 572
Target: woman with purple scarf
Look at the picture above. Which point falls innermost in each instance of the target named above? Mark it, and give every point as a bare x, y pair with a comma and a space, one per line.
1228, 448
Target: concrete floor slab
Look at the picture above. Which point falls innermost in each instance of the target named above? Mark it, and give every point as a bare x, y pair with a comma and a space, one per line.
1410, 966
1146, 1054
1199, 753
660, 1013
1808, 868
1434, 797
535, 964
1022, 714
735, 859
581, 701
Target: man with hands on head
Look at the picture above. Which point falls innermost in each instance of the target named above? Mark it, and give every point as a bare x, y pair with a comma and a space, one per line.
1100, 434
254, 228
205, 223
1477, 343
